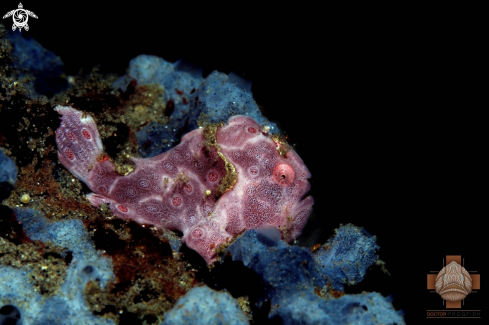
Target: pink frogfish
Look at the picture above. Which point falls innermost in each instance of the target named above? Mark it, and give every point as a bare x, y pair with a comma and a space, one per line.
218, 182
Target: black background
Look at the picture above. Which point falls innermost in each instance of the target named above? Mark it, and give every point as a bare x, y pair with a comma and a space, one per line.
382, 104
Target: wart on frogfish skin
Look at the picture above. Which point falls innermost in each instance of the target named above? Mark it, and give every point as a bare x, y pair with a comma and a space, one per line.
242, 181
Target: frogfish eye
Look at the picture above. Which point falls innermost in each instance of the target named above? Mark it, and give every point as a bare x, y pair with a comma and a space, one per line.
283, 174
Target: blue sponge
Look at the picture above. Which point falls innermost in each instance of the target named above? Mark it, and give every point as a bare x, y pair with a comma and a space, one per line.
45, 66
292, 276
215, 98
8, 175
345, 258
202, 305
69, 305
